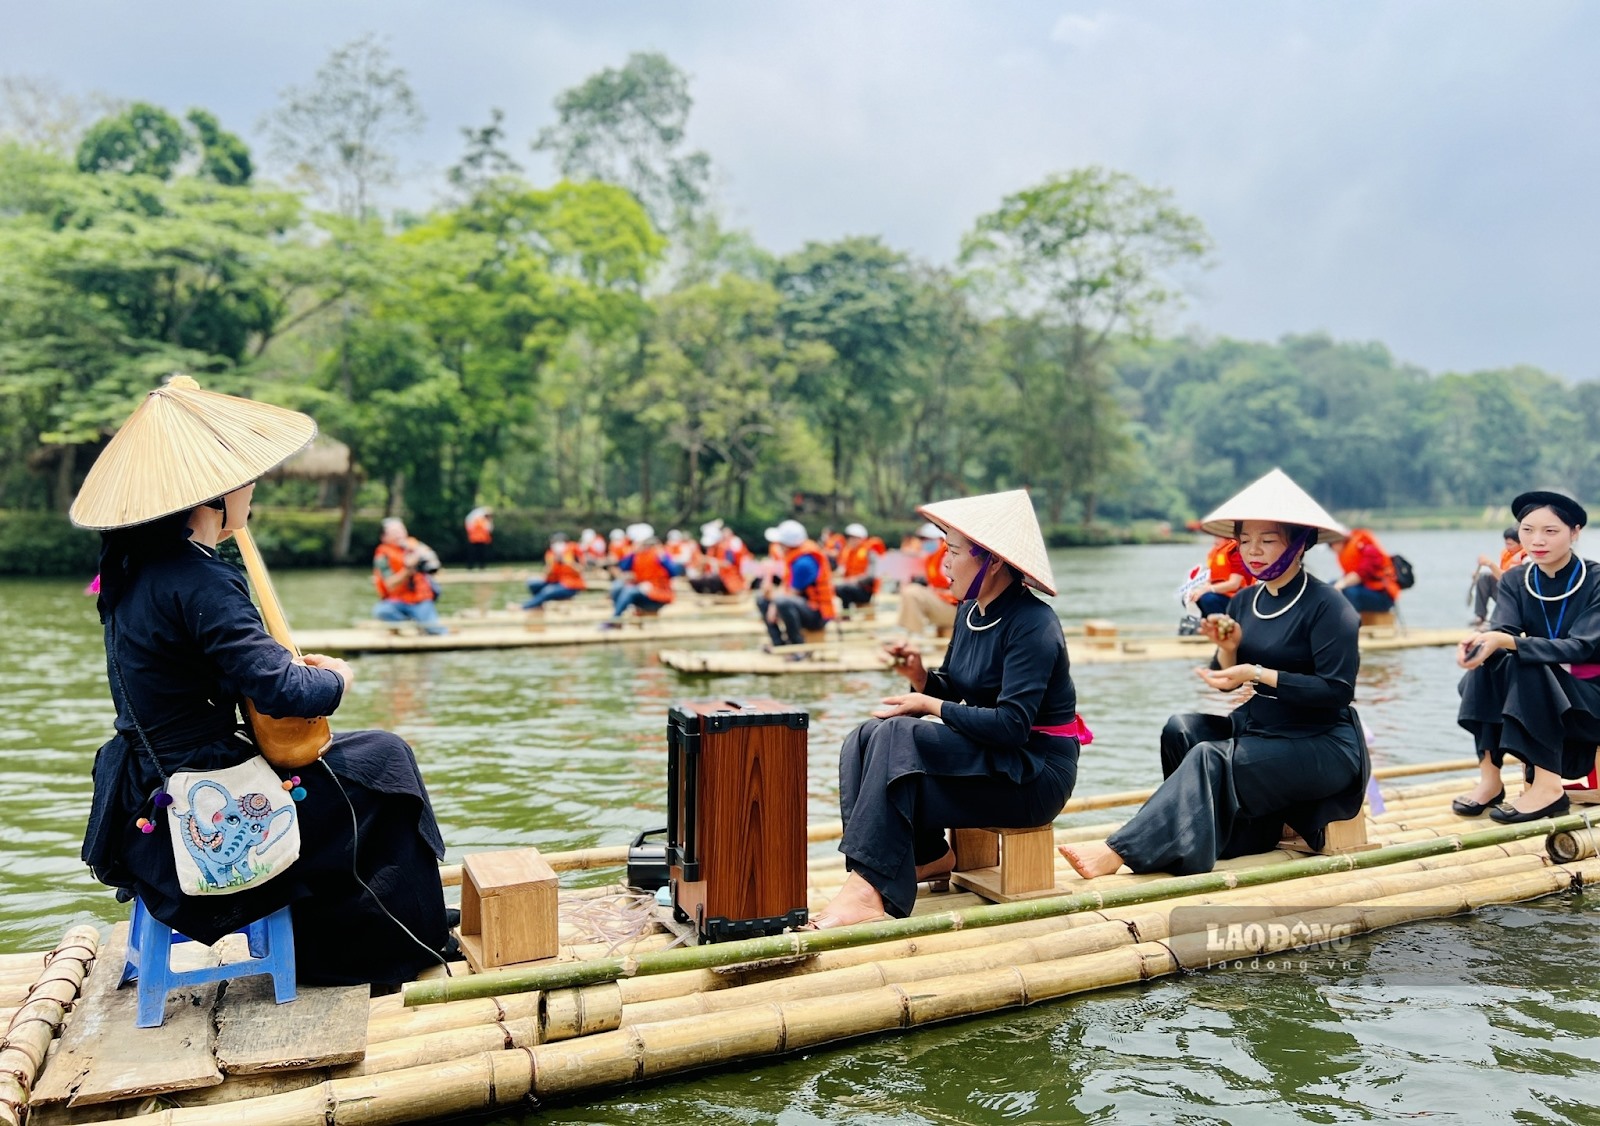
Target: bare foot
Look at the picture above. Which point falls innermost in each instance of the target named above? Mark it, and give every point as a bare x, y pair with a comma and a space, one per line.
1090, 859
937, 869
856, 902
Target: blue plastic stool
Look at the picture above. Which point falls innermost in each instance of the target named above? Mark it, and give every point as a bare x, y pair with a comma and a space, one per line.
271, 942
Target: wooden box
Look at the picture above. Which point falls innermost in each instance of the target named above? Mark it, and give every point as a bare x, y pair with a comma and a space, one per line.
508, 908
736, 816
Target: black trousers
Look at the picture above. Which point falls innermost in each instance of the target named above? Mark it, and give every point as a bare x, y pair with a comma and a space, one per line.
856, 592
708, 584
794, 615
1230, 795
904, 781
1540, 714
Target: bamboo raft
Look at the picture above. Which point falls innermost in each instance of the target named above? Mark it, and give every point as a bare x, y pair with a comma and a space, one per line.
837, 657
593, 610
614, 1010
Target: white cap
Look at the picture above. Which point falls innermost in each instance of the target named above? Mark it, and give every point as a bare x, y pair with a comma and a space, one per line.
640, 532
711, 537
857, 530
674, 536
790, 533
930, 531
617, 534
711, 526
586, 535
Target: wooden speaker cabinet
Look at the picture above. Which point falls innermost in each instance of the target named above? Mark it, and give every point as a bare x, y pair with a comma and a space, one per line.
736, 816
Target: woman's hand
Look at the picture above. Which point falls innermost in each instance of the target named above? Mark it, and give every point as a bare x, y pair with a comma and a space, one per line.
1221, 630
1476, 648
912, 704
319, 661
908, 663
1228, 679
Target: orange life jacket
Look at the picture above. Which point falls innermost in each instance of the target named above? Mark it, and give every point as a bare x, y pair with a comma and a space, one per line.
651, 573
1510, 557
937, 581
1362, 555
833, 546
685, 553
1226, 561
856, 561
562, 567
820, 593
729, 556
480, 530
387, 562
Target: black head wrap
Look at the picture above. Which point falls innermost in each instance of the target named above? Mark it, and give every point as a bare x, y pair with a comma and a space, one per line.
1569, 510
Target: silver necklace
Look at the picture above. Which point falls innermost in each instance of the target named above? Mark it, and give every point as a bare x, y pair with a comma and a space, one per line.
979, 629
1527, 581
1255, 606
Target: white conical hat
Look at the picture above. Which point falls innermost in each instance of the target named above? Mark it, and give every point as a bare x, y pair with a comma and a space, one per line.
1005, 524
183, 446
1274, 497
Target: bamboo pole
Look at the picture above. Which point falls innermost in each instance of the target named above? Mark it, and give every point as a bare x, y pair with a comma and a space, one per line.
806, 942
1570, 845
33, 1026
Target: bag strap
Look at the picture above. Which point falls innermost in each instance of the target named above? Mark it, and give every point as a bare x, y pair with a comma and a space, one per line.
127, 700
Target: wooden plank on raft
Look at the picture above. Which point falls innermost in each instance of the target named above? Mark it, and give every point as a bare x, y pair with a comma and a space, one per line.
104, 1056
321, 1027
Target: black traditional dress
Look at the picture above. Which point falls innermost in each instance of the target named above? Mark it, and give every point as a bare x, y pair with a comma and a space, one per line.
184, 647
1291, 754
1528, 702
904, 781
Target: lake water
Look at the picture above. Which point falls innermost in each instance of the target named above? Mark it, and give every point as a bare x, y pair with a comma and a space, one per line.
1492, 1017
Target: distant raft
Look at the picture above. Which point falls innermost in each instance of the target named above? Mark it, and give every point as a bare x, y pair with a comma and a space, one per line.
1100, 646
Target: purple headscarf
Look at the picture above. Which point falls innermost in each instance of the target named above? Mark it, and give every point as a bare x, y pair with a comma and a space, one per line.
1299, 540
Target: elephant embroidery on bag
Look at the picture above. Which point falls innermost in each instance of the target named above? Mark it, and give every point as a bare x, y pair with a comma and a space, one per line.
222, 848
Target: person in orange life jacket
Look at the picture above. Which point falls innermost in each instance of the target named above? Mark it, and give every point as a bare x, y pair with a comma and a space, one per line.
802, 597
649, 571
1006, 750
480, 534
591, 547
857, 580
832, 545
929, 600
1228, 576
683, 551
1486, 579
721, 566
563, 576
400, 570
1369, 580
617, 546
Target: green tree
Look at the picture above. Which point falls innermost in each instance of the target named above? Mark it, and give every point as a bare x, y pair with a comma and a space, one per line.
143, 140
1091, 253
338, 134
484, 160
626, 126
859, 298
223, 156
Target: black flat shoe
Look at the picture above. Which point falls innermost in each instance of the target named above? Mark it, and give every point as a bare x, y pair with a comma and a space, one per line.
1509, 815
1461, 807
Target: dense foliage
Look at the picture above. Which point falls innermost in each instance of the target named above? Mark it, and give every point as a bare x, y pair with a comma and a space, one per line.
605, 344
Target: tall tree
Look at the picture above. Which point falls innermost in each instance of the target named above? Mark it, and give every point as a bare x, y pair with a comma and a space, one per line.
484, 160
338, 134
223, 156
626, 126
143, 140
1093, 253
858, 297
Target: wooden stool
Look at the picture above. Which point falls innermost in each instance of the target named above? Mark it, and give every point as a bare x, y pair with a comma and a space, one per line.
1340, 837
814, 636
1586, 792
1101, 632
533, 620
1006, 864
1377, 619
508, 908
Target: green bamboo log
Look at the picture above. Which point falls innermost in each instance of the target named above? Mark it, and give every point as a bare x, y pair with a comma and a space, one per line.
802, 943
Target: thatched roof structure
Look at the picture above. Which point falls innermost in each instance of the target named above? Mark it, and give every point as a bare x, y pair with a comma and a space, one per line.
324, 459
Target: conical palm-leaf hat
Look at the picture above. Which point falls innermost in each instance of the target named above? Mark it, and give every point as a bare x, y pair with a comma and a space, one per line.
183, 446
1003, 523
1274, 497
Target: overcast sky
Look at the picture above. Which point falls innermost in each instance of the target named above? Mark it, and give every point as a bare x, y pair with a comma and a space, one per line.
1425, 174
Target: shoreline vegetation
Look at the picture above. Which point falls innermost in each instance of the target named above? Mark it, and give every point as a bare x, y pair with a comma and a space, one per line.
44, 544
